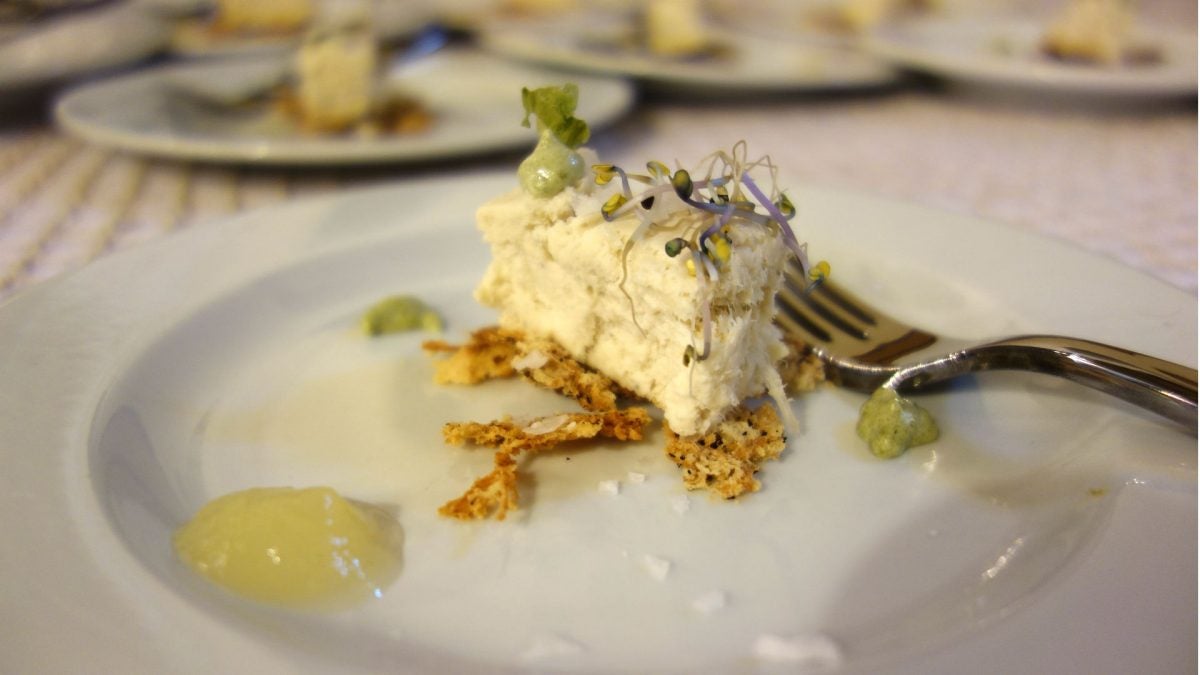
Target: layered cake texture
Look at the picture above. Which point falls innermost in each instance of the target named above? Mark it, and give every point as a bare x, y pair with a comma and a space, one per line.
624, 307
663, 281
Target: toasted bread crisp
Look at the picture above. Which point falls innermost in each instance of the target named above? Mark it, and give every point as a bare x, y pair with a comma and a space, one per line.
545, 363
547, 432
492, 493
725, 459
496, 493
487, 355
801, 370
495, 352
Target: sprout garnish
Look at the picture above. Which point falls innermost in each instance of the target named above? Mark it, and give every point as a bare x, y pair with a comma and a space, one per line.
727, 196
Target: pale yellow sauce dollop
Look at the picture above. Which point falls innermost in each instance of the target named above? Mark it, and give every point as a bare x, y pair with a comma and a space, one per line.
306, 548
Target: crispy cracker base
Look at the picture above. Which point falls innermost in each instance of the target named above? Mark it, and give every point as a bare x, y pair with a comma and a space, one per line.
496, 493
723, 461
726, 459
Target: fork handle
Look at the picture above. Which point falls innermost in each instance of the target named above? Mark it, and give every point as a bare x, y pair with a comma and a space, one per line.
1163, 387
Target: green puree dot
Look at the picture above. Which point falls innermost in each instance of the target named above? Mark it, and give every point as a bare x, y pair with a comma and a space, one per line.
551, 168
398, 314
891, 424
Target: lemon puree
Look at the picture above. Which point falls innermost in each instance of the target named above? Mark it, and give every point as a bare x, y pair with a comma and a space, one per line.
308, 548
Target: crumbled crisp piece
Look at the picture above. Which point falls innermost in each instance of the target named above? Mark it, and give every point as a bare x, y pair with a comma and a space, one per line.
488, 354
493, 493
511, 436
725, 459
496, 493
495, 352
801, 370
549, 365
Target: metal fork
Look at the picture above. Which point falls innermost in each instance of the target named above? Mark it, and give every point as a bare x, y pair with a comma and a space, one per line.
860, 345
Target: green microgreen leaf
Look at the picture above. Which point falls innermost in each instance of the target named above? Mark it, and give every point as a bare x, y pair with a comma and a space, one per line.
554, 108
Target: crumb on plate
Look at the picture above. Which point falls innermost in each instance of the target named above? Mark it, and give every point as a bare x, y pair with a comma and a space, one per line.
487, 354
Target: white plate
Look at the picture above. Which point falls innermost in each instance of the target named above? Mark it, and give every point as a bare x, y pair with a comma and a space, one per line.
753, 63
1049, 530
997, 51
80, 43
193, 36
475, 101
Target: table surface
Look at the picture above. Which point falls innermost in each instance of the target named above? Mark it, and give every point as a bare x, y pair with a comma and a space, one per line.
1121, 182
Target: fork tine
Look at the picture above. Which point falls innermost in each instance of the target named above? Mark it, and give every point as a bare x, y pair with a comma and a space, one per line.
798, 323
822, 308
842, 299
806, 309
833, 318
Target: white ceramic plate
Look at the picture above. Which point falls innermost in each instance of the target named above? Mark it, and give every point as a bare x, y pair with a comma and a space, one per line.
754, 63
79, 44
475, 101
194, 37
1050, 529
997, 51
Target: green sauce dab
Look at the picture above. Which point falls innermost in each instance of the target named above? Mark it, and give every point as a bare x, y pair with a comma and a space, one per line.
891, 424
553, 165
398, 314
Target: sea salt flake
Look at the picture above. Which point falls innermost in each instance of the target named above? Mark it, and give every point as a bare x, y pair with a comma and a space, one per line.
681, 504
635, 477
532, 360
609, 487
544, 425
549, 646
710, 602
658, 568
811, 651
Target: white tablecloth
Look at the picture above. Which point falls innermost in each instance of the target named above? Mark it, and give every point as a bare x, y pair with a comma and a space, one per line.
1119, 182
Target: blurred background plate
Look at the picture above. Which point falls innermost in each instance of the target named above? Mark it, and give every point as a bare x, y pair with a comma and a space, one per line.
193, 34
1003, 52
474, 99
742, 62
79, 43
